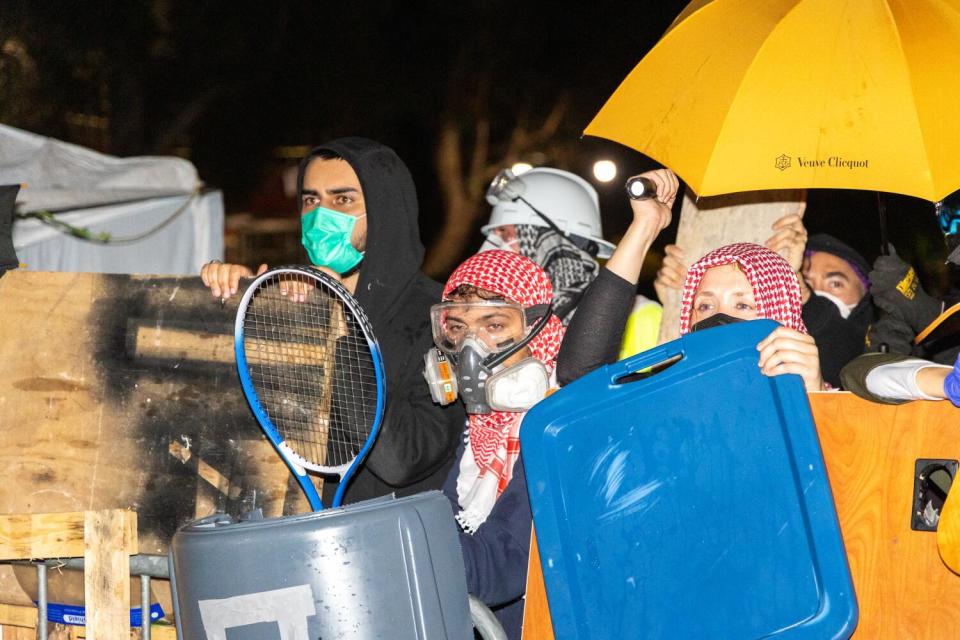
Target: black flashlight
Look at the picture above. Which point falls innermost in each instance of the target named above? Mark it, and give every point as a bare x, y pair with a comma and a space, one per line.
640, 188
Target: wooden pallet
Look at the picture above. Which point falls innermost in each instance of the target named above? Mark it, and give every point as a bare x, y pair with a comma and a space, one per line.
104, 539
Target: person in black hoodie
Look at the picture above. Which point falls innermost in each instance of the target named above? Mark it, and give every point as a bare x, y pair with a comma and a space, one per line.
361, 190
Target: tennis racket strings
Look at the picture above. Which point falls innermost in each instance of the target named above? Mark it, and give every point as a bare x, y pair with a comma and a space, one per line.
311, 365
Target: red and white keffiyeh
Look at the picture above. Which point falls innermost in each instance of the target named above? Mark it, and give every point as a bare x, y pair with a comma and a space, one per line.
493, 443
776, 289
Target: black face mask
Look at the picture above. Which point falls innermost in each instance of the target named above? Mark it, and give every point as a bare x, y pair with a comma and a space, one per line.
716, 320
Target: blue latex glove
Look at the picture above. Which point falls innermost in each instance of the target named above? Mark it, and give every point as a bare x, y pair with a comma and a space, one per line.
951, 384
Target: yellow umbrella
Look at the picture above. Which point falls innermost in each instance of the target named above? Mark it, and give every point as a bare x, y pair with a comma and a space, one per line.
744, 95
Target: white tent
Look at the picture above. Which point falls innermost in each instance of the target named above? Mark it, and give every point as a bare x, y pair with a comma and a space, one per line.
152, 210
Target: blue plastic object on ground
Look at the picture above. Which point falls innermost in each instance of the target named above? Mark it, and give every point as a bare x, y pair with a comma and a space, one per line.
693, 503
76, 615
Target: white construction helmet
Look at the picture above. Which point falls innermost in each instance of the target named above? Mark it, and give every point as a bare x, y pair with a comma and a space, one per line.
566, 198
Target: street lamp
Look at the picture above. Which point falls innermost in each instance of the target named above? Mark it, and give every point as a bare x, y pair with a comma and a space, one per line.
604, 170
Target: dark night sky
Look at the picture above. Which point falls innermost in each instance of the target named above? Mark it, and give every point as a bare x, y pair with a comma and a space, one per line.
233, 81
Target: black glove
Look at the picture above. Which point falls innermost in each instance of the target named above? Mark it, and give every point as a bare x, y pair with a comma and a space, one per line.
896, 289
890, 333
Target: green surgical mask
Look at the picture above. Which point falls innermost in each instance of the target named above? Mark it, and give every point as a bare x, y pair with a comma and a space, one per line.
325, 235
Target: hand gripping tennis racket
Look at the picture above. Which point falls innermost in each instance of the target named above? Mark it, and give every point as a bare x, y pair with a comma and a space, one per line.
312, 372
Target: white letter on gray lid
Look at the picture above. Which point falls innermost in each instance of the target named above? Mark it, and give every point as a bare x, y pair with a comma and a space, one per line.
289, 608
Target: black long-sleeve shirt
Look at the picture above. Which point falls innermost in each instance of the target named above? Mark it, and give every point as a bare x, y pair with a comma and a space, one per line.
594, 334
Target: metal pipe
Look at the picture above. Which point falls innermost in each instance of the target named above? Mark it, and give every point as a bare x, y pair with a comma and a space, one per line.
144, 565
42, 601
484, 620
140, 565
145, 618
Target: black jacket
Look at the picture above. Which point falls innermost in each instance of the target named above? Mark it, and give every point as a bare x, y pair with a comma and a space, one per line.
839, 340
417, 440
497, 554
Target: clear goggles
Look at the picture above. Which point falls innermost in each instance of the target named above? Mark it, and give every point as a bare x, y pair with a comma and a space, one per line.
497, 325
505, 187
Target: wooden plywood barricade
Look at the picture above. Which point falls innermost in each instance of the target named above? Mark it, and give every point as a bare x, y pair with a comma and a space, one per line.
120, 391
904, 590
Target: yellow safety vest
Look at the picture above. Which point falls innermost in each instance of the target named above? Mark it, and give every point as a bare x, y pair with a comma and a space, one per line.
643, 327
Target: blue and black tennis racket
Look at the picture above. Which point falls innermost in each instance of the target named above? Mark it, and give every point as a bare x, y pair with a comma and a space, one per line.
312, 372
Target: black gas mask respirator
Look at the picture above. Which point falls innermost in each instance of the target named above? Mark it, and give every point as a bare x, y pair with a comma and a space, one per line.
468, 361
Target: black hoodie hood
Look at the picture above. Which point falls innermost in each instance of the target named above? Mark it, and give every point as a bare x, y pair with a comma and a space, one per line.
394, 251
417, 438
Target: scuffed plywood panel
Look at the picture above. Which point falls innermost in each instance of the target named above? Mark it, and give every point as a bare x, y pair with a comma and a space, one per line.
120, 391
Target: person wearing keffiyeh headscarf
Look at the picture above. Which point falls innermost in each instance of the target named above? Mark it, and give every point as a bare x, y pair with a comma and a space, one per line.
735, 282
775, 288
834, 284
745, 281
487, 486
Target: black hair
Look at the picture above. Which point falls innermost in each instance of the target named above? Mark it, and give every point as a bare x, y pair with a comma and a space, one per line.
469, 291
325, 154
322, 154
